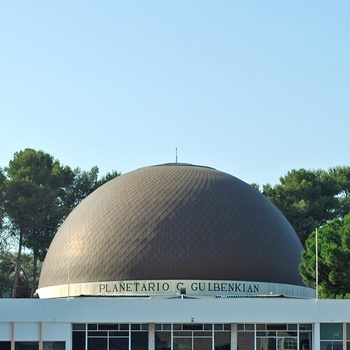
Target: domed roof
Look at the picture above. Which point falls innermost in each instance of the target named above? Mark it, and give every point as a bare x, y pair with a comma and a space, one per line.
174, 221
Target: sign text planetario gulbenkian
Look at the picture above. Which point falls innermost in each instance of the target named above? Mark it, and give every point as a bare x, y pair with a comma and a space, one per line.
193, 287
196, 288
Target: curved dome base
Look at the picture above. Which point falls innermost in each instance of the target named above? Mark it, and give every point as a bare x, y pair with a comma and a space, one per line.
195, 288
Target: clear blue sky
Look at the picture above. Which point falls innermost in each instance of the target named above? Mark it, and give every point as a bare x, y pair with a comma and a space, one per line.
252, 88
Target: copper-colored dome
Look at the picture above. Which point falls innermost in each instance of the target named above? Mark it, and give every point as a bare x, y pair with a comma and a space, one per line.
174, 221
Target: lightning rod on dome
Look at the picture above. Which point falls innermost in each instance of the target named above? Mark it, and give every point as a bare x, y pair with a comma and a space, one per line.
176, 155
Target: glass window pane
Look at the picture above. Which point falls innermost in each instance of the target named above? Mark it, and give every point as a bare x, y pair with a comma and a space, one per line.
122, 334
222, 341
266, 334
97, 343
266, 343
78, 341
276, 327
331, 345
331, 331
108, 326
202, 344
139, 340
163, 340
192, 327
283, 334
202, 334
287, 343
182, 334
79, 326
305, 340
182, 343
5, 345
54, 345
245, 341
97, 334
118, 343
26, 345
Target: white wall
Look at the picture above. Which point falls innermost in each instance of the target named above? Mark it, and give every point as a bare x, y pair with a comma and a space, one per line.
229, 310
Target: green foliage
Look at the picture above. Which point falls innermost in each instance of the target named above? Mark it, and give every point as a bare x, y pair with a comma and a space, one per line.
36, 195
109, 176
333, 259
84, 183
7, 275
7, 269
33, 202
342, 175
311, 198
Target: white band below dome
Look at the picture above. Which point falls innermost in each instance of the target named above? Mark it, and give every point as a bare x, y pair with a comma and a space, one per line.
195, 288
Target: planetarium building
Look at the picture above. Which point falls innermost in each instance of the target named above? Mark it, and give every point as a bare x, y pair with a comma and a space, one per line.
174, 257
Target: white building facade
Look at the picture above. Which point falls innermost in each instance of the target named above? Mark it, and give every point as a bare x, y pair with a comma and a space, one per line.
270, 323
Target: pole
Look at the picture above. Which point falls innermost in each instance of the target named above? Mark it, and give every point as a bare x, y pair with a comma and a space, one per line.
316, 272
68, 294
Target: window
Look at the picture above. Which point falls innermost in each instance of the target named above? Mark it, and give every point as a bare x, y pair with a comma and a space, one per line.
113, 336
245, 335
331, 336
5, 345
163, 336
277, 337
54, 345
26, 345
348, 335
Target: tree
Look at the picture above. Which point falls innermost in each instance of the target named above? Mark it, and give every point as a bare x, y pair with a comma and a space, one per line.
36, 195
308, 198
109, 176
2, 196
342, 176
7, 269
84, 183
333, 259
34, 190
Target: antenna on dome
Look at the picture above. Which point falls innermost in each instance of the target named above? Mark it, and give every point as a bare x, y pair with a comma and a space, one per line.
176, 155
